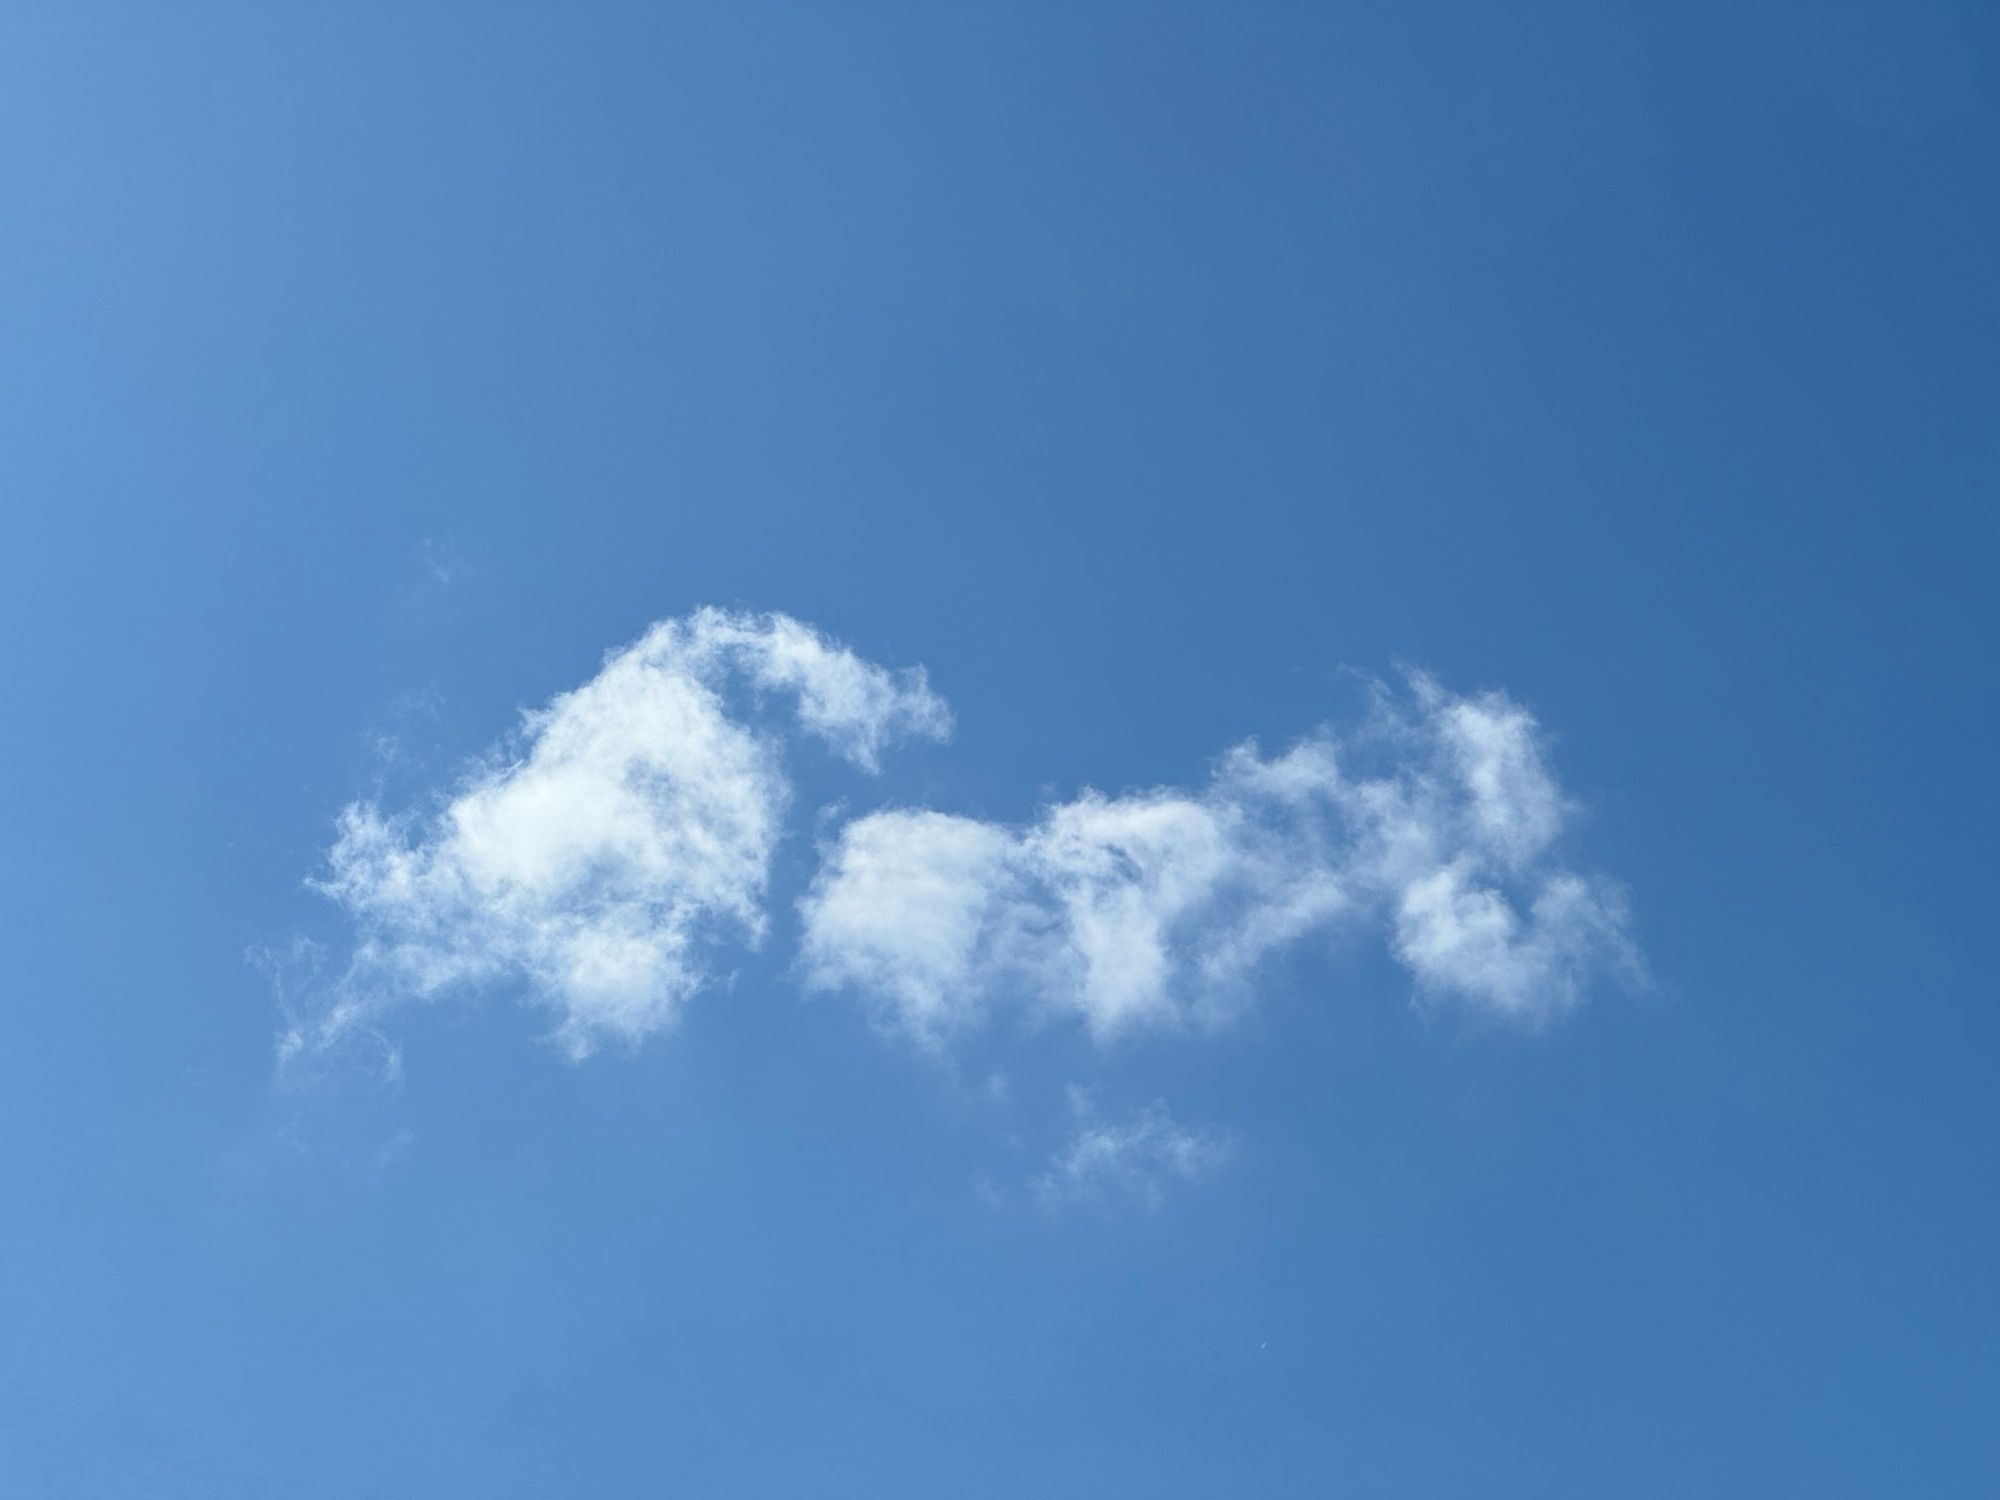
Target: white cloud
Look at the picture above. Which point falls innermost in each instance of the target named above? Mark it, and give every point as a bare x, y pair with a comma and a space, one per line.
1436, 822
910, 910
604, 856
1136, 1159
1147, 909
1461, 938
607, 857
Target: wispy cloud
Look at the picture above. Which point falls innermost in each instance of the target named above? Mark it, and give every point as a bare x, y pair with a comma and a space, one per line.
601, 856
608, 858
1436, 822
441, 560
1137, 1159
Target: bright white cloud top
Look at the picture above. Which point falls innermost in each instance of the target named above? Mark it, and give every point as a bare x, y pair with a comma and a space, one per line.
604, 856
610, 856
1437, 823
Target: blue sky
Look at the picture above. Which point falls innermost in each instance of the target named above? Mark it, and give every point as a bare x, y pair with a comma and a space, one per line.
885, 1036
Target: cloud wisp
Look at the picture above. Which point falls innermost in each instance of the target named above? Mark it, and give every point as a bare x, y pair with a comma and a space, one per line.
603, 856
1437, 823
1135, 1160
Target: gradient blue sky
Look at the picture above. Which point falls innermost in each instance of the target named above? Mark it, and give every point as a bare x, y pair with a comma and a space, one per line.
1144, 372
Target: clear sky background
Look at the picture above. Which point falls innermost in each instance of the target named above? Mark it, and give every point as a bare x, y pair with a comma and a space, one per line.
1145, 373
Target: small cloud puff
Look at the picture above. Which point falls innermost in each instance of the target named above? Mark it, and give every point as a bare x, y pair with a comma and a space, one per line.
1110, 1163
